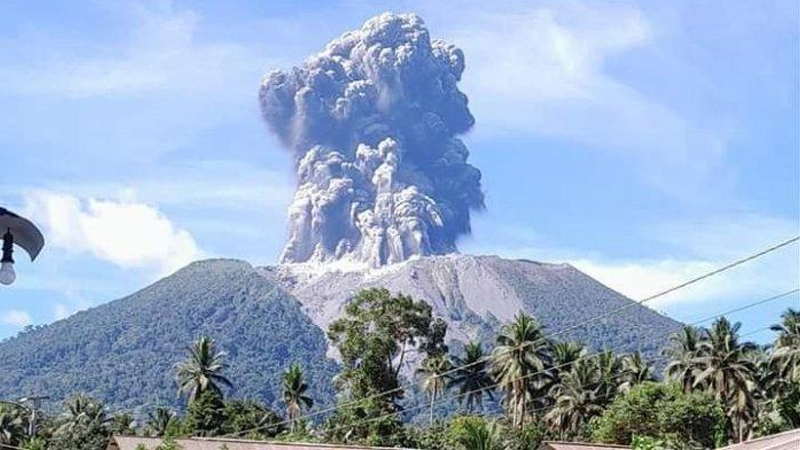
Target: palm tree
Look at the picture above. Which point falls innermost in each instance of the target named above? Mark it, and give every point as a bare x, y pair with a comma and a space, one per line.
472, 376
435, 370
576, 398
565, 353
82, 407
727, 372
609, 376
479, 436
294, 393
786, 356
12, 428
635, 370
159, 421
122, 424
202, 371
682, 351
520, 360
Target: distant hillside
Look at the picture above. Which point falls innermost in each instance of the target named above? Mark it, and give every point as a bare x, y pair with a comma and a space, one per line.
476, 294
124, 352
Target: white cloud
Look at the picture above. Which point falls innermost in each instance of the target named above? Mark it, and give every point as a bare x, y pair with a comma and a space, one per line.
705, 245
686, 250
61, 311
161, 51
639, 279
16, 317
544, 71
125, 233
64, 310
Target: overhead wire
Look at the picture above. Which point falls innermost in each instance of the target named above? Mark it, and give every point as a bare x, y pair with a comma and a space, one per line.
560, 332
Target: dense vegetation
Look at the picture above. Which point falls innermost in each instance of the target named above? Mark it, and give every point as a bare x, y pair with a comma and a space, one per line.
123, 353
717, 389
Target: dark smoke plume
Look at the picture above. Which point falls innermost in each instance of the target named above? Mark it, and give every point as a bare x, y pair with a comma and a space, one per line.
371, 121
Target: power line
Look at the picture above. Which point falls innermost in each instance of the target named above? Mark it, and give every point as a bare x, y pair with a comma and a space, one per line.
495, 385
548, 407
750, 305
568, 328
347, 404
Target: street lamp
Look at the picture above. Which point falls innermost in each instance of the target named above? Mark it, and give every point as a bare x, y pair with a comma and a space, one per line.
20, 231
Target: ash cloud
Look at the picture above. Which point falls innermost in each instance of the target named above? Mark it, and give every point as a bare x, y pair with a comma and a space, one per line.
372, 122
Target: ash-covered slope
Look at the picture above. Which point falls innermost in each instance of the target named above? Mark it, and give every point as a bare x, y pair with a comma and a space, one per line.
476, 294
124, 352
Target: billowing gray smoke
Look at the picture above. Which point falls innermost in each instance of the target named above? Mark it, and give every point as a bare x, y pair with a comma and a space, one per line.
372, 122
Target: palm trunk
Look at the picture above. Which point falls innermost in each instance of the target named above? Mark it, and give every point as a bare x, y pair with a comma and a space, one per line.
741, 430
522, 407
433, 400
400, 361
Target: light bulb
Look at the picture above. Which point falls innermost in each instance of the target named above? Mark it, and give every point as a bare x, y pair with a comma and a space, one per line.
7, 274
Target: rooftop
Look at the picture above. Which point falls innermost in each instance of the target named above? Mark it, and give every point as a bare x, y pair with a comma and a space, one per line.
788, 440
556, 445
150, 443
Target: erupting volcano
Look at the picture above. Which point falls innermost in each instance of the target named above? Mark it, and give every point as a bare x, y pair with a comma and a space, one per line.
372, 122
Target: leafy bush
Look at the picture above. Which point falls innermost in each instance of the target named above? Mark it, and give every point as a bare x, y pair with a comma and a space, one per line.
665, 411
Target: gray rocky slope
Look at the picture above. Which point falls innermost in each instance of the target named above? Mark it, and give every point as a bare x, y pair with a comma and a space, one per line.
477, 294
124, 352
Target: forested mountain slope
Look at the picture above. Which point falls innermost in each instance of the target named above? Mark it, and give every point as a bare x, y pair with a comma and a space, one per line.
124, 352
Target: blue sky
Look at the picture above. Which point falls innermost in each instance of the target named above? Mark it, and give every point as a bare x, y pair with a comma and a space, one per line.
643, 142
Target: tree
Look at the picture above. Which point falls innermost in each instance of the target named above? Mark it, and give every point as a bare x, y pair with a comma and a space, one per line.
786, 355
84, 425
436, 377
36, 443
253, 418
683, 350
374, 337
294, 393
609, 376
472, 377
662, 412
575, 399
206, 414
564, 354
729, 374
520, 360
159, 421
635, 370
12, 427
479, 435
122, 424
788, 406
202, 371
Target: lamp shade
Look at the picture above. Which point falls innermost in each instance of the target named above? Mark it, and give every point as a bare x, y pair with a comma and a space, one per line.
25, 233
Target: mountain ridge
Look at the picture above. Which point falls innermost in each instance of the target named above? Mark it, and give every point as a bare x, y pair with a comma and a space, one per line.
475, 294
265, 318
124, 351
